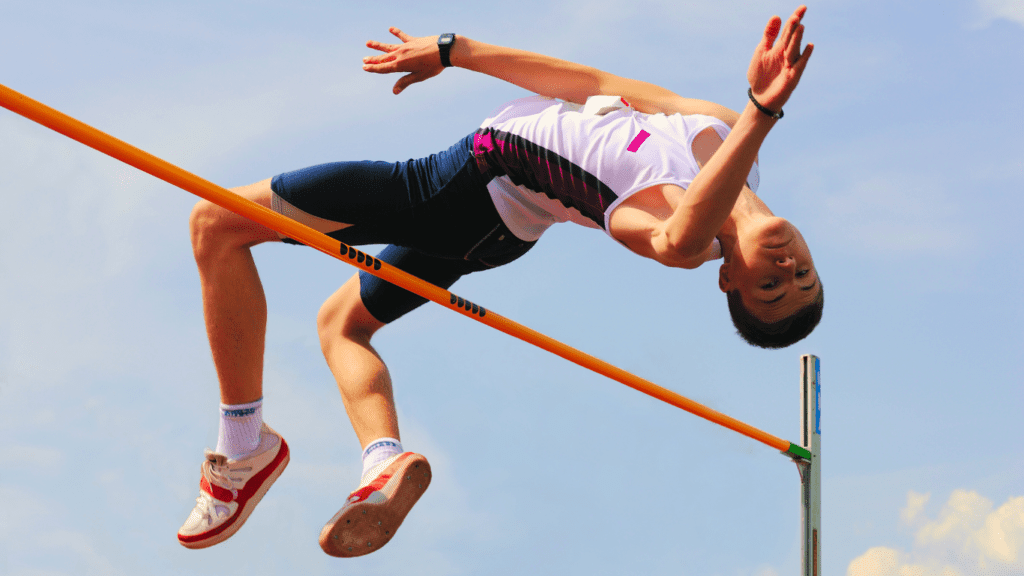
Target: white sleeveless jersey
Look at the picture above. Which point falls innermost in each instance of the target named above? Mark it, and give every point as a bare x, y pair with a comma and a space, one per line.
555, 161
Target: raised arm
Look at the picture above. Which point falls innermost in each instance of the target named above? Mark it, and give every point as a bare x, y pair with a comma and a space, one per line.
774, 73
418, 57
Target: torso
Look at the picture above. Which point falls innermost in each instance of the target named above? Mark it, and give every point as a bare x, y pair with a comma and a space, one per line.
553, 163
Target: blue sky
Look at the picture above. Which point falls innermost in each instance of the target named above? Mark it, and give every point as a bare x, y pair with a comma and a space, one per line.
899, 158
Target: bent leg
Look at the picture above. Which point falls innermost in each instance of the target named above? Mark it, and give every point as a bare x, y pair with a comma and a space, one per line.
234, 306
345, 327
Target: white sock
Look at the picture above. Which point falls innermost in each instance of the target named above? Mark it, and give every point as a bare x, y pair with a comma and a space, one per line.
378, 451
240, 426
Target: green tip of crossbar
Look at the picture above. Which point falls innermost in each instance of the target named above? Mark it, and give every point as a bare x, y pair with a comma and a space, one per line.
798, 451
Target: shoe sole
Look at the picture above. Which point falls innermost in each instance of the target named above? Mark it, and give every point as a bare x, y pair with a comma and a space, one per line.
364, 527
228, 530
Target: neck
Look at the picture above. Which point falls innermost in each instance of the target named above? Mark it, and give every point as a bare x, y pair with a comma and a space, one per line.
747, 211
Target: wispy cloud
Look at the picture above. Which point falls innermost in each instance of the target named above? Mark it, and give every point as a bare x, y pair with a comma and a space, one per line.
896, 215
967, 537
28, 536
992, 10
915, 505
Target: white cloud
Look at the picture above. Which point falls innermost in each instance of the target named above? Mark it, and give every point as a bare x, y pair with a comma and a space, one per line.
967, 537
915, 503
1002, 538
959, 518
991, 10
875, 562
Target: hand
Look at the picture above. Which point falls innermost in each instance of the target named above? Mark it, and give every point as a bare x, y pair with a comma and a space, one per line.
776, 68
420, 57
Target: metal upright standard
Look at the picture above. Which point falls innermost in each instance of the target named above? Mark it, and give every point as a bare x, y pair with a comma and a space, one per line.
807, 455
810, 468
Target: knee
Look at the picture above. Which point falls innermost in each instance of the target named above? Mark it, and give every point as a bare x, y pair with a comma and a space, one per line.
344, 316
203, 229
216, 231
326, 320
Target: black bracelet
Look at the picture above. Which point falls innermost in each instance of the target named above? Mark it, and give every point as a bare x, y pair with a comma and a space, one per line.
776, 115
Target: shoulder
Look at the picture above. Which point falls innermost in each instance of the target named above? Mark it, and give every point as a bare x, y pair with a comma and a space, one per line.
638, 223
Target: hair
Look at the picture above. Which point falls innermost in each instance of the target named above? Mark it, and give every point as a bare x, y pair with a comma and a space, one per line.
781, 334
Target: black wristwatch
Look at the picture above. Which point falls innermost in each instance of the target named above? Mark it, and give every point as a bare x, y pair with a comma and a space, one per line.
444, 44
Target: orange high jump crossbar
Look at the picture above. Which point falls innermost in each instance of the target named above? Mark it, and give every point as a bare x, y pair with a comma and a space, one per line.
107, 144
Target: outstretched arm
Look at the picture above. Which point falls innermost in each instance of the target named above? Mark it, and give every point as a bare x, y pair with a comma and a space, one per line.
774, 73
699, 214
544, 75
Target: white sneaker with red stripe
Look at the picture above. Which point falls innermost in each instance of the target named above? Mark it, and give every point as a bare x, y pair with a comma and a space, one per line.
229, 490
373, 513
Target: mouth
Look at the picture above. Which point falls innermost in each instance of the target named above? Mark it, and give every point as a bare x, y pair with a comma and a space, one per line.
777, 246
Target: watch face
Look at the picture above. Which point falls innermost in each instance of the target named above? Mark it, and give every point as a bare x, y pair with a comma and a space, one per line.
445, 39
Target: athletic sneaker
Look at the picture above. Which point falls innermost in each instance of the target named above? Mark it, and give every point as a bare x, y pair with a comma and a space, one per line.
373, 513
230, 489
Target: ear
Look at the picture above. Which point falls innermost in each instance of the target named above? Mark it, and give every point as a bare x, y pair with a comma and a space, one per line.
723, 277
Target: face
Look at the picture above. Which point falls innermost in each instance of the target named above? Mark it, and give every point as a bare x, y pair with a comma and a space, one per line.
772, 268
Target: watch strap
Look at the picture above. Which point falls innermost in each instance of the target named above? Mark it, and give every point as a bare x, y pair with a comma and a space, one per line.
444, 45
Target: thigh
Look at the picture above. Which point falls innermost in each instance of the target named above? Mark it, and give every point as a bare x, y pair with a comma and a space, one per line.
332, 197
349, 192
387, 302
364, 202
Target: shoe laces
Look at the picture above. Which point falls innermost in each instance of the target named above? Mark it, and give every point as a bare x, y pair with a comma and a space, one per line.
216, 472
208, 509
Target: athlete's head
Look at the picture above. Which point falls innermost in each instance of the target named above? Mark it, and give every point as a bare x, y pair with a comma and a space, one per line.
774, 293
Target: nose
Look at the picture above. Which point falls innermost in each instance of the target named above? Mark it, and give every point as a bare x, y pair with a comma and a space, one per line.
785, 262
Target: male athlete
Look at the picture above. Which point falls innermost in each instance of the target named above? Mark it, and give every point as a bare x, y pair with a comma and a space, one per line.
670, 178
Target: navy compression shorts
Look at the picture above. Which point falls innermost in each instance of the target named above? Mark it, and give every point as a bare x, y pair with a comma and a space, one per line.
434, 213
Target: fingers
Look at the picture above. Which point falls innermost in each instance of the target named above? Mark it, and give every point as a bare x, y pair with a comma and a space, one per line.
403, 83
771, 31
792, 36
802, 63
793, 48
379, 59
381, 46
792, 23
401, 35
379, 68
385, 47
410, 79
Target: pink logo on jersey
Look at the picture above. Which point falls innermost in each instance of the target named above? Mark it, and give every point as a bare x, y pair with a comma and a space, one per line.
640, 139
